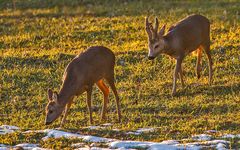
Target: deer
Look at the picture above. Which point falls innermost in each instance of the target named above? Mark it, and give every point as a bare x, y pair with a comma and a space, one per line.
90, 67
190, 34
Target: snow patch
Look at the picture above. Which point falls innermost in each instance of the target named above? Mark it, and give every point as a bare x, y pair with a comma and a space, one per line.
78, 145
58, 134
94, 148
211, 131
217, 142
3, 147
231, 136
107, 124
4, 129
89, 138
130, 144
170, 142
95, 127
221, 146
169, 145
25, 146
145, 130
141, 130
135, 133
202, 137
103, 126
162, 147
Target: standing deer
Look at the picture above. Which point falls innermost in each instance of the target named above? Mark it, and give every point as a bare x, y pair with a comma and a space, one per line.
90, 67
188, 35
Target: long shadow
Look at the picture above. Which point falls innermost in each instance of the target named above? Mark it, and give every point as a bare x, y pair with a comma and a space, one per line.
109, 8
96, 35
20, 84
45, 61
209, 90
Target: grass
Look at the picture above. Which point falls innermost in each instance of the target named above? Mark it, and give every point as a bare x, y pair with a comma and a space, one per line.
39, 38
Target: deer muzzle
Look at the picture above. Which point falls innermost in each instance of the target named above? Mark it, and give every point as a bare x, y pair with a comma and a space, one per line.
151, 57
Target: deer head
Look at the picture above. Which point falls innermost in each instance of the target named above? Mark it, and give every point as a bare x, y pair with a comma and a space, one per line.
53, 108
156, 42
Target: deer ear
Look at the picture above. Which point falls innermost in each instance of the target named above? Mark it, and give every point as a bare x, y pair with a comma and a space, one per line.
50, 94
162, 31
55, 97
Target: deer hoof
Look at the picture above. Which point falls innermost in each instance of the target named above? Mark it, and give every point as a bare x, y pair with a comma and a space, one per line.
103, 119
173, 93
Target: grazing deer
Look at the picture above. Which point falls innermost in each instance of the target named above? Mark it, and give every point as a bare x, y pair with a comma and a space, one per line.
188, 35
90, 67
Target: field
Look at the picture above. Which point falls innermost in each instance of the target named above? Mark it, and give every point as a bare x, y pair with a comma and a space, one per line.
39, 38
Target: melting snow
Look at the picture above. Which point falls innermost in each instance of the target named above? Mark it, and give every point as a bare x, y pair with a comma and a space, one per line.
96, 139
211, 131
103, 126
129, 144
95, 148
221, 146
135, 133
231, 136
4, 129
25, 146
107, 124
95, 127
170, 142
77, 145
58, 134
145, 130
152, 145
204, 141
202, 137
142, 130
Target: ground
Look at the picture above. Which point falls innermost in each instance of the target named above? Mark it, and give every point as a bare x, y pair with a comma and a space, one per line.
39, 38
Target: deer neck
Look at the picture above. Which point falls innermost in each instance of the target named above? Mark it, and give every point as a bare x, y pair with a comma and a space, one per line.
168, 47
66, 94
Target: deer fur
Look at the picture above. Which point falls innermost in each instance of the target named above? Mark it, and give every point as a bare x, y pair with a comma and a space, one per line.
90, 67
190, 34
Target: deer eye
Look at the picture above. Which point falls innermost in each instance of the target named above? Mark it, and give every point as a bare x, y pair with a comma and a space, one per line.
50, 111
156, 46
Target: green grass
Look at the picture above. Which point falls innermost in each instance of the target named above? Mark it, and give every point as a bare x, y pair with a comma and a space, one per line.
39, 38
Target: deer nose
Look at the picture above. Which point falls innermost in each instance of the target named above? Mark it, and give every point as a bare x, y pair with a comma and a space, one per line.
151, 57
47, 123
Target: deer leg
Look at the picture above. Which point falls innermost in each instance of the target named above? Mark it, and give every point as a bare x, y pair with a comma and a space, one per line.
206, 48
105, 91
181, 77
66, 113
110, 80
175, 75
89, 95
199, 59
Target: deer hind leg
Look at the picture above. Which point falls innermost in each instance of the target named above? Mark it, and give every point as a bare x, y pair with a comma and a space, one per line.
110, 80
181, 77
89, 95
66, 113
175, 74
199, 60
206, 48
105, 90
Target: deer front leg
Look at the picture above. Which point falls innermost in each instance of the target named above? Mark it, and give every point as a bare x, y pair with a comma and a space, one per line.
89, 94
66, 113
175, 75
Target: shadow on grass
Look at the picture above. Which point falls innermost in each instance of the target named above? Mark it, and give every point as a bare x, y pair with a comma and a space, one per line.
113, 8
45, 61
209, 90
